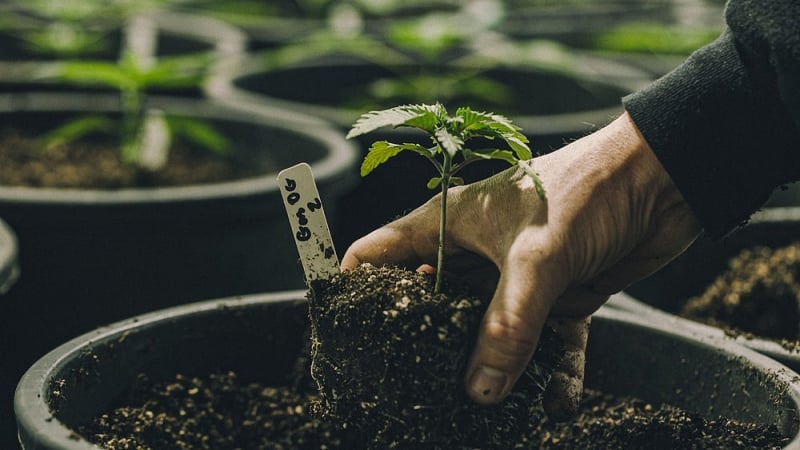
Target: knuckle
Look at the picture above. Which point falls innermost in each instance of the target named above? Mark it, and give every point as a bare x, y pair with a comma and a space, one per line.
509, 334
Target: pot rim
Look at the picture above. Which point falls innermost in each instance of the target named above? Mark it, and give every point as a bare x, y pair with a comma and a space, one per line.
225, 38
769, 347
33, 412
341, 154
222, 85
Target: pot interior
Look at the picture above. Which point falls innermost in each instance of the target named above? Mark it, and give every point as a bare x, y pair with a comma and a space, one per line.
259, 337
691, 273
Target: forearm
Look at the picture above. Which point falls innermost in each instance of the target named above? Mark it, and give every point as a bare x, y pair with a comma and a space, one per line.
725, 123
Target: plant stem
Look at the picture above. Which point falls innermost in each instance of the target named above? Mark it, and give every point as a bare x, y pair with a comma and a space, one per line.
446, 169
131, 122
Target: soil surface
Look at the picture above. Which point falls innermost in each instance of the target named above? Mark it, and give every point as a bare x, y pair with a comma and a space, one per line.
219, 412
96, 164
758, 294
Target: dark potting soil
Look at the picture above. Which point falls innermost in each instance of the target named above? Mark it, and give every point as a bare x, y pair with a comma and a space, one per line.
386, 360
222, 413
758, 294
96, 164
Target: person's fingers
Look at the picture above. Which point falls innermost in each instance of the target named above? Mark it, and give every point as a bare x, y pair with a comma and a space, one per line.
405, 242
529, 284
563, 395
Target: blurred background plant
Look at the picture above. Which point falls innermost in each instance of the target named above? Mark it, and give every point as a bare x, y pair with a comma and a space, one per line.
145, 134
69, 29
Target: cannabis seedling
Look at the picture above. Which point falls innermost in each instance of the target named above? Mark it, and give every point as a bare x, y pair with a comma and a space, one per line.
448, 154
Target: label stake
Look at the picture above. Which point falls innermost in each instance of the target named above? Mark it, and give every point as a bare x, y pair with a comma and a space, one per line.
309, 226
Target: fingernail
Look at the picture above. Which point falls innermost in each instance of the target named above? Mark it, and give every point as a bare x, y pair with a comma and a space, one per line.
487, 383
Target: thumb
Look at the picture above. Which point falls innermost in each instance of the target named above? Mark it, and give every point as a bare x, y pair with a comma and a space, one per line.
511, 327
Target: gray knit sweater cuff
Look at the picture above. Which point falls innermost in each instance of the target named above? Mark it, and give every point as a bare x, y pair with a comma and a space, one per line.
718, 130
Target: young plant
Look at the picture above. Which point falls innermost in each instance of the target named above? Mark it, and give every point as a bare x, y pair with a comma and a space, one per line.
145, 134
448, 154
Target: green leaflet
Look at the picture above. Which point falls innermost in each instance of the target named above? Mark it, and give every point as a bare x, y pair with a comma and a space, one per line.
381, 151
77, 128
537, 182
200, 133
451, 143
424, 117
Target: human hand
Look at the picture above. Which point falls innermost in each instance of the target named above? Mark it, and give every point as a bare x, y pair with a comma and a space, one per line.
612, 216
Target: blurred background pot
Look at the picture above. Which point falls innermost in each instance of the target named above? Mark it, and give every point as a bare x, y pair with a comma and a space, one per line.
259, 337
667, 291
558, 99
655, 36
154, 35
95, 256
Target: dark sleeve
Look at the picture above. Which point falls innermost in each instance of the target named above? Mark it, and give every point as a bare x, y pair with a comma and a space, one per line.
725, 123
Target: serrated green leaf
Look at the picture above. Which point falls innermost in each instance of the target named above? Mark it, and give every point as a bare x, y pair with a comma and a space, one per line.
430, 120
491, 153
537, 182
456, 181
382, 151
472, 119
500, 122
434, 182
394, 117
451, 143
78, 128
518, 143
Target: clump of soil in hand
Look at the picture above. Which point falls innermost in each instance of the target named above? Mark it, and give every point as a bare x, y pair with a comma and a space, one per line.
96, 164
389, 356
758, 294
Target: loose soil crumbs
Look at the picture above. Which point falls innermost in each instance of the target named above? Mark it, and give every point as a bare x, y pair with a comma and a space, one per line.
219, 412
759, 294
96, 164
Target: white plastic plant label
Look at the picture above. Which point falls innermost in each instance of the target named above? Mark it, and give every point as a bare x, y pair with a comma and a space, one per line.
307, 218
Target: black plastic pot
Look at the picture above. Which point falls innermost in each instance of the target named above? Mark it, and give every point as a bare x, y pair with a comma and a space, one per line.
259, 337
173, 34
588, 25
551, 106
545, 103
278, 23
91, 257
665, 292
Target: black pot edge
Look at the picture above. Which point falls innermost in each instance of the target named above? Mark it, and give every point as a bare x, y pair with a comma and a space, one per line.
770, 348
647, 313
30, 389
341, 157
9, 258
624, 307
225, 38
